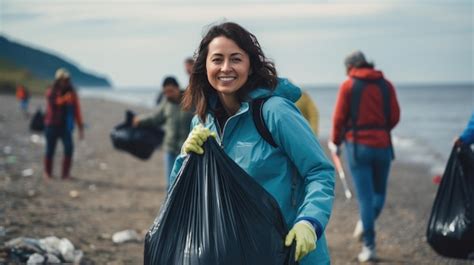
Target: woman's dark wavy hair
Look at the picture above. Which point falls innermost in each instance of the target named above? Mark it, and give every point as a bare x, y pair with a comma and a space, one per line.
263, 73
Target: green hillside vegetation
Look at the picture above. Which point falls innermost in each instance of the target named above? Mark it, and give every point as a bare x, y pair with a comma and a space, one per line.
12, 75
43, 65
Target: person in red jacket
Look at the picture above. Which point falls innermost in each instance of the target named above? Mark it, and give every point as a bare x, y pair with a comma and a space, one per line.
62, 111
23, 96
366, 111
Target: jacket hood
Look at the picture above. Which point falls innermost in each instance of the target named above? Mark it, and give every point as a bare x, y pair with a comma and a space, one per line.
366, 73
284, 89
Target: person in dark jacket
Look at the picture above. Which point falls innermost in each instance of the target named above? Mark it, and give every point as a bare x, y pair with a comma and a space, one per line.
366, 111
188, 67
175, 121
62, 111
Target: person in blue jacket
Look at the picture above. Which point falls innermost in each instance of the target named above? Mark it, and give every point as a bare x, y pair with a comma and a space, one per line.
467, 136
231, 70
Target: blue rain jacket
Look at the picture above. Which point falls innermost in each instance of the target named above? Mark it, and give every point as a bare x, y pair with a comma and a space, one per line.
297, 173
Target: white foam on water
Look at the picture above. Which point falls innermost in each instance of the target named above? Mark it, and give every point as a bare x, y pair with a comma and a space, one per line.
431, 116
141, 98
413, 151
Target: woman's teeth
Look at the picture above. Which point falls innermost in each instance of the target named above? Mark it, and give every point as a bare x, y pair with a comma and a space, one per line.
226, 78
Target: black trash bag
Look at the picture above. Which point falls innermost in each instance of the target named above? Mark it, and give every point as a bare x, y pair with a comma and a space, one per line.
217, 214
37, 121
140, 141
451, 226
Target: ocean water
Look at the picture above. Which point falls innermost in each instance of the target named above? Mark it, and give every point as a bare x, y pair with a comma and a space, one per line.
431, 116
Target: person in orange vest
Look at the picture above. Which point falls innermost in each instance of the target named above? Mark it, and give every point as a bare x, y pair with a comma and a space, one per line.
23, 96
366, 111
63, 110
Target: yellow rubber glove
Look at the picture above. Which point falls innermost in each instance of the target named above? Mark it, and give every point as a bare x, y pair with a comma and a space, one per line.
305, 236
196, 138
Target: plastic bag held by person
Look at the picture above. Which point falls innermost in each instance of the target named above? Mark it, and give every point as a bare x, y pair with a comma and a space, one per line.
37, 122
140, 142
451, 225
217, 214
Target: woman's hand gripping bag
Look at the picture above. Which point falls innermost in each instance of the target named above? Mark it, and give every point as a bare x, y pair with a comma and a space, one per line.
214, 214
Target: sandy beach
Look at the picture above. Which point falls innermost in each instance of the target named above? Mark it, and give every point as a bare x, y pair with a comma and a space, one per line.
113, 191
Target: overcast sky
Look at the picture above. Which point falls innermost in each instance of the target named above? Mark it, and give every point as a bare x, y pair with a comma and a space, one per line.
136, 43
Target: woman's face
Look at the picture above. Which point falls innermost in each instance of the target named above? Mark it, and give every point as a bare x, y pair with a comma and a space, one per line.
227, 65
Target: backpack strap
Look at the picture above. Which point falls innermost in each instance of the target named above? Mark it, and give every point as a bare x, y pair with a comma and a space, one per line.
257, 114
356, 96
384, 90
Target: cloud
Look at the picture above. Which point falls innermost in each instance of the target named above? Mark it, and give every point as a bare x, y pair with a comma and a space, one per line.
304, 38
155, 12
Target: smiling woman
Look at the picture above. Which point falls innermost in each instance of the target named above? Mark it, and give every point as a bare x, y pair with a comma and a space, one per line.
231, 71
234, 55
228, 68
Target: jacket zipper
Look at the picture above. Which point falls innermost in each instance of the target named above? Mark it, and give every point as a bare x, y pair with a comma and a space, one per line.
223, 130
219, 132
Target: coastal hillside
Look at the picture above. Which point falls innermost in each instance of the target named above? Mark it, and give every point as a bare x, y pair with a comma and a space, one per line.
31, 63
11, 75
